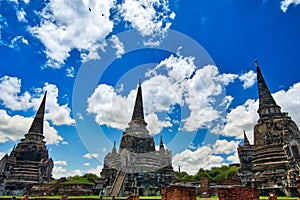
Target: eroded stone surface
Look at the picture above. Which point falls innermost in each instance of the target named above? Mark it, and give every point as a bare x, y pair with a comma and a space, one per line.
272, 162
137, 168
29, 162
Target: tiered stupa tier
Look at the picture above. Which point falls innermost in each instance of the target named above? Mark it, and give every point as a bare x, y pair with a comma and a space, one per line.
273, 161
137, 168
29, 162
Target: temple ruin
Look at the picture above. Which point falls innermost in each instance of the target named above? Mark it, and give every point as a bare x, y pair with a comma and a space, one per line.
28, 162
137, 168
272, 162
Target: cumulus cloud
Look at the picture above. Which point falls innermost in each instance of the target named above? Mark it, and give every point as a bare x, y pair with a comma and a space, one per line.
10, 87
289, 101
228, 78
155, 125
58, 114
90, 155
248, 78
118, 45
15, 127
60, 171
113, 108
286, 3
11, 98
152, 18
191, 161
233, 158
61, 162
68, 25
96, 170
174, 81
84, 24
225, 147
244, 117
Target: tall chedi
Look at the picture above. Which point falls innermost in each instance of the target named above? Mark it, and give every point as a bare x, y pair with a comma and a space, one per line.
29, 162
272, 162
137, 167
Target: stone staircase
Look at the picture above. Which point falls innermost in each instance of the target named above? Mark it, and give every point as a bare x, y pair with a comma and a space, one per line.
115, 190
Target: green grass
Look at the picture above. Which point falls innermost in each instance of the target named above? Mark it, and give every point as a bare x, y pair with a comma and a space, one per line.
80, 180
283, 198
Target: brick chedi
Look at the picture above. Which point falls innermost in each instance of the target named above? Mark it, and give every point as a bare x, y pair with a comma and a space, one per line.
137, 168
272, 162
29, 162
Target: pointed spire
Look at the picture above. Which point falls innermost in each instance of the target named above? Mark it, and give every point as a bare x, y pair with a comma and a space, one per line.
38, 122
246, 141
267, 104
138, 111
114, 149
161, 145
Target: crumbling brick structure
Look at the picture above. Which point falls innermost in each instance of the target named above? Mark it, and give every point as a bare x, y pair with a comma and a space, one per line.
177, 192
238, 192
204, 188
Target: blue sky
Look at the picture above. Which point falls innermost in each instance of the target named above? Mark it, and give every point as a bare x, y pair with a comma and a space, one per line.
195, 60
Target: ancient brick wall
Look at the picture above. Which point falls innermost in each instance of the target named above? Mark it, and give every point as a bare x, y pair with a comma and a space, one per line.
238, 192
204, 188
178, 193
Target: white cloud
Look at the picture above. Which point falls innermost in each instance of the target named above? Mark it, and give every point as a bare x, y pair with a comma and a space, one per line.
10, 89
86, 164
204, 89
58, 114
286, 3
96, 171
21, 16
228, 78
191, 161
155, 125
179, 67
174, 81
289, 101
70, 72
61, 162
112, 111
90, 155
16, 41
244, 117
248, 78
15, 127
151, 18
233, 158
60, 171
68, 25
118, 45
225, 147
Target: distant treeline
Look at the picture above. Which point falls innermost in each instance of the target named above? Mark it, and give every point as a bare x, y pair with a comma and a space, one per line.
216, 173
